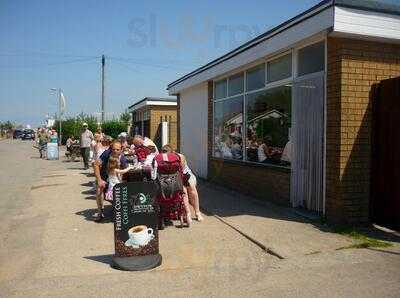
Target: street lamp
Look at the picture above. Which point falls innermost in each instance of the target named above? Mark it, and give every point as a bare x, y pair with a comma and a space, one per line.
58, 93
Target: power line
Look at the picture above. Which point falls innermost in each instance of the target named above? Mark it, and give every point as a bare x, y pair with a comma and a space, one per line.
133, 61
49, 64
37, 53
164, 61
128, 67
135, 70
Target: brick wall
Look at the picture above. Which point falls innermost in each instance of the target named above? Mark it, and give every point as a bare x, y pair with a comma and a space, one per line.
165, 113
263, 182
353, 68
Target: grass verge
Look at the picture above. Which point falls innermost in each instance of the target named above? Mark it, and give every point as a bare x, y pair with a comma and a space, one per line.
362, 240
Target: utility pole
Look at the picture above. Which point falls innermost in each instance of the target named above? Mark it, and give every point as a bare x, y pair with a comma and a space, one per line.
103, 62
60, 115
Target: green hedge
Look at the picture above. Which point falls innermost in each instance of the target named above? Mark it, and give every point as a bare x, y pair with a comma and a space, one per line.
114, 128
73, 126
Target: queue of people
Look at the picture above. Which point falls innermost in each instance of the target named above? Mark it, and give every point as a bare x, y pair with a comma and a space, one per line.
114, 158
111, 159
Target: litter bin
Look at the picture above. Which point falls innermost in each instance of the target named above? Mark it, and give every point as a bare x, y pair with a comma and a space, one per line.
52, 150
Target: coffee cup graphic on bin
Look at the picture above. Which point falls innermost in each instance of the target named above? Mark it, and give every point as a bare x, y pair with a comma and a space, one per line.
139, 236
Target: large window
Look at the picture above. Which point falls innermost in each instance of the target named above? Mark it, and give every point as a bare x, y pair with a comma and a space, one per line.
253, 108
228, 128
268, 124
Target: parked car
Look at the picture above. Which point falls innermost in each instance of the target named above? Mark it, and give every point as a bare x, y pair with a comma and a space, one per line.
17, 134
28, 134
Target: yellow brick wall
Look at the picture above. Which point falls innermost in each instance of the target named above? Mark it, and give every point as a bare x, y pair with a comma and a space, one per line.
156, 112
353, 68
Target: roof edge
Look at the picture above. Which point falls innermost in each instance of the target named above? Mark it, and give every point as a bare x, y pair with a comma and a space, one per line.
166, 99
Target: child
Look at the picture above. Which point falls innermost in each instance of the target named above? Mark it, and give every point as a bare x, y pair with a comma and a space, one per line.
114, 175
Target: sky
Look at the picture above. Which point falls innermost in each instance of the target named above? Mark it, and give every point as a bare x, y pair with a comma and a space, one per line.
147, 44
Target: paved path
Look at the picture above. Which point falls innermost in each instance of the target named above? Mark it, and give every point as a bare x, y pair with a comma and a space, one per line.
49, 246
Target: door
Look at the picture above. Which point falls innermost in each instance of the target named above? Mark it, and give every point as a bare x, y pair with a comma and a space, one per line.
385, 174
308, 138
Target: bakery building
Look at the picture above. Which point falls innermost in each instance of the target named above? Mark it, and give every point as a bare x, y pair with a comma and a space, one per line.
287, 116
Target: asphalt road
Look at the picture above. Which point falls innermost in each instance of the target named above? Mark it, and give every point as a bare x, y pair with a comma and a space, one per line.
49, 246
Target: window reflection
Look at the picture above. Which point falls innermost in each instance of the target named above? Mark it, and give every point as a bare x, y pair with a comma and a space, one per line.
268, 126
228, 128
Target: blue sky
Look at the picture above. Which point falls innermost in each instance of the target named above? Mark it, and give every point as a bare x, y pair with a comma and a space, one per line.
148, 44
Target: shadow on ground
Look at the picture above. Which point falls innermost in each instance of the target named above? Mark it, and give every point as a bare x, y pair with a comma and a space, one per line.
105, 259
87, 192
224, 202
88, 214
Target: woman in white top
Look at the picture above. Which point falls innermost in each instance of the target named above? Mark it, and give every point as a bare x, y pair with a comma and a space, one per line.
190, 183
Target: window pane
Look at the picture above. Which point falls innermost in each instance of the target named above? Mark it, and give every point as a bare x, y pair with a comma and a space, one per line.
220, 89
279, 69
236, 84
255, 78
228, 128
268, 125
311, 59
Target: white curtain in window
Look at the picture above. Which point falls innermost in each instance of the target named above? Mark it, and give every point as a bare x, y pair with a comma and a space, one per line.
308, 134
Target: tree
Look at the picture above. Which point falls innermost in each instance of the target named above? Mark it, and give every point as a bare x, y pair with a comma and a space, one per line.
113, 128
125, 118
73, 126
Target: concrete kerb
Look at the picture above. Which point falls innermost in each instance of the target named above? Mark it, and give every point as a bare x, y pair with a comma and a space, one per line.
255, 241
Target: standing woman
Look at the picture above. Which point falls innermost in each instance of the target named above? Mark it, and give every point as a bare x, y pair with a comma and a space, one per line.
190, 183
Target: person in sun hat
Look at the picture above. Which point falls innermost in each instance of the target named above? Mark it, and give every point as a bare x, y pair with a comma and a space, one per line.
85, 142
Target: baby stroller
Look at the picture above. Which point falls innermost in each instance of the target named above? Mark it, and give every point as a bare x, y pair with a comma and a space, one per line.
170, 179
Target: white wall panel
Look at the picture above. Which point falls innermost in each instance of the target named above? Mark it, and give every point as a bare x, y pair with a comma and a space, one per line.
366, 23
194, 125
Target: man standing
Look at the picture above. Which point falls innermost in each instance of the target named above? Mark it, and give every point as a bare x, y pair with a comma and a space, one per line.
101, 173
42, 142
86, 140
